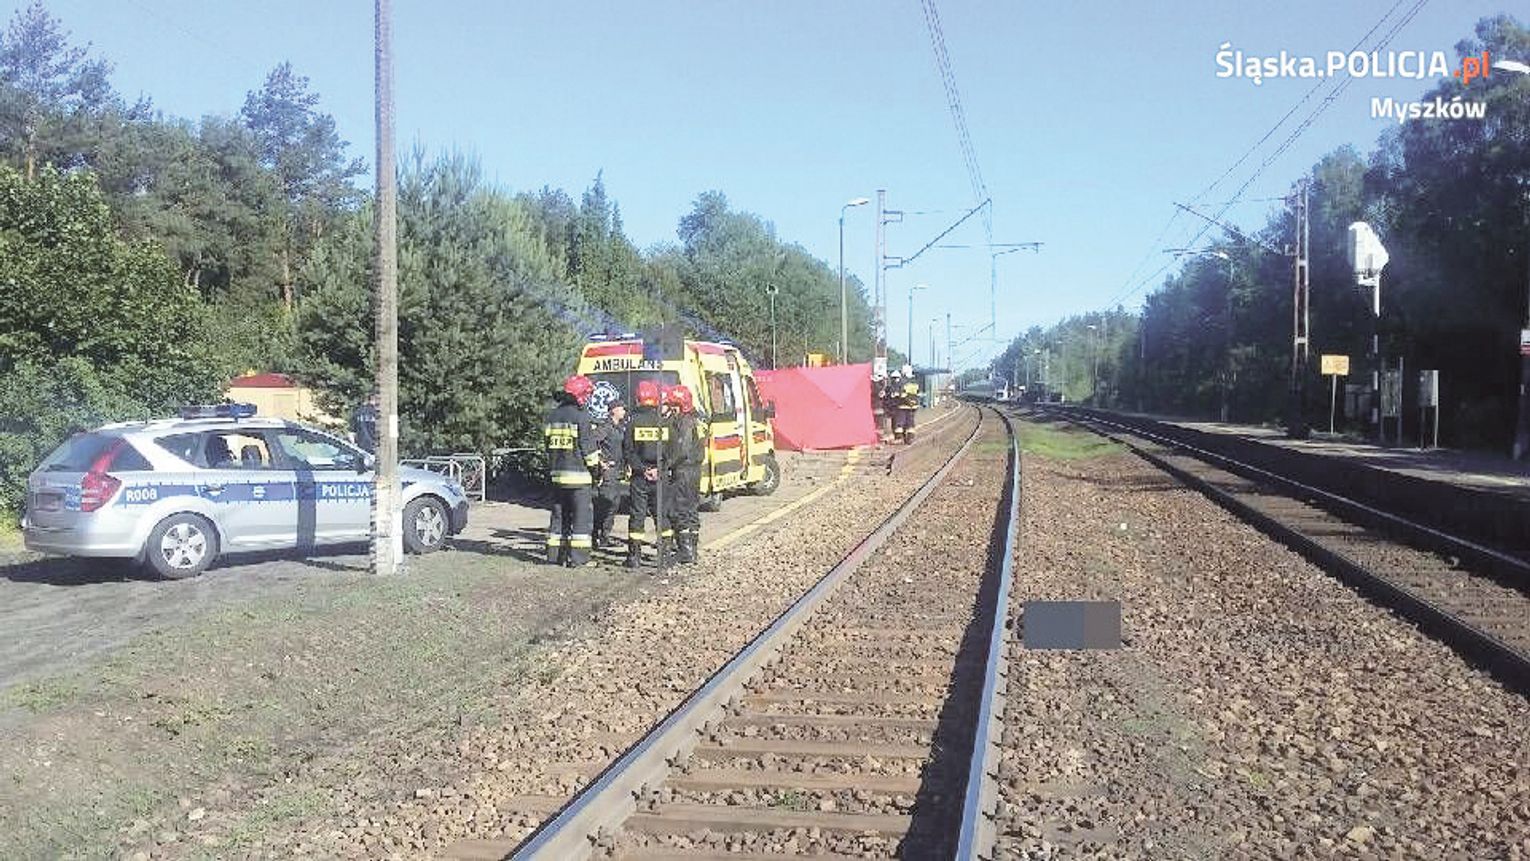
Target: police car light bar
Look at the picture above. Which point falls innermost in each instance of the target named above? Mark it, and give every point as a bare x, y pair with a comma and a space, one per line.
218, 411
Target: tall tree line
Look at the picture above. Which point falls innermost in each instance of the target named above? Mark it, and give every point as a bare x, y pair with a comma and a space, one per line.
251, 230
1450, 199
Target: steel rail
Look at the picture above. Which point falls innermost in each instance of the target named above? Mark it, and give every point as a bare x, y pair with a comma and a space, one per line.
575, 830
1463, 547
978, 833
1511, 666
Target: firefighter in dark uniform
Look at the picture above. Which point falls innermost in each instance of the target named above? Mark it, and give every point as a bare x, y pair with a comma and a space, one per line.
908, 402
571, 455
879, 406
907, 396
890, 404
610, 438
684, 461
647, 435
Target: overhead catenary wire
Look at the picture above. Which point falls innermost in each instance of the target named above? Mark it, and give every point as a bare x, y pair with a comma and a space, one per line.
1338, 89
958, 113
1131, 286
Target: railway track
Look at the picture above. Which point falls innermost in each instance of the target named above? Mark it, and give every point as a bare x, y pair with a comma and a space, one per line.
862, 722
1470, 596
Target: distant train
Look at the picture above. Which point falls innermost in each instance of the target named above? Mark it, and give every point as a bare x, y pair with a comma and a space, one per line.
998, 389
995, 389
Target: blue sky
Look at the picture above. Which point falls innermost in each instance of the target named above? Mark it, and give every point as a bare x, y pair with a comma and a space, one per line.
1088, 118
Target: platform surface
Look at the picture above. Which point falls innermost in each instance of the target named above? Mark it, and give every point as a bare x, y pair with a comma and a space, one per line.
1452, 466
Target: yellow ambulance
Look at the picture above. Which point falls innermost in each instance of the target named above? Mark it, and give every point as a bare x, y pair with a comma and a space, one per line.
740, 445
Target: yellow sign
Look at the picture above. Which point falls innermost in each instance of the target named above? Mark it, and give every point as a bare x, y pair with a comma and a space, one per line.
1337, 366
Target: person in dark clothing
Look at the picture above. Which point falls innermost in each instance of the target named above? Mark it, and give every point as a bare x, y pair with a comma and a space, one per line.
908, 397
684, 463
571, 455
610, 436
643, 449
364, 424
890, 400
879, 406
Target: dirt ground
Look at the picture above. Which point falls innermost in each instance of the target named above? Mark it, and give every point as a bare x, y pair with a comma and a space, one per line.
129, 705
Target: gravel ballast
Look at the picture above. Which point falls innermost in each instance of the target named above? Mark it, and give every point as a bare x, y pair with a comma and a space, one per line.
1259, 708
597, 691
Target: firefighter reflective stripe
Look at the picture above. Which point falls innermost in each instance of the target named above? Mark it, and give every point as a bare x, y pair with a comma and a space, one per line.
561, 436
554, 540
646, 537
572, 477
579, 541
650, 434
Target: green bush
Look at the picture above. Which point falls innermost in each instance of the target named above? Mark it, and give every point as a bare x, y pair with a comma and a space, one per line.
40, 406
92, 328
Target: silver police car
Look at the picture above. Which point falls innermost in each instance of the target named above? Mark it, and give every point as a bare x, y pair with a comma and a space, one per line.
178, 493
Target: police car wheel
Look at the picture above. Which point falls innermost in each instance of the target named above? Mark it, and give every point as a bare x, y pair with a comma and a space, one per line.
181, 546
772, 480
425, 525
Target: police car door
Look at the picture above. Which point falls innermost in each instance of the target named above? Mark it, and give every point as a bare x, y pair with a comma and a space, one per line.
333, 491
248, 495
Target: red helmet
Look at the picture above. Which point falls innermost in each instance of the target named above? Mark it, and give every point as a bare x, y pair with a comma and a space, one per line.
579, 388
647, 393
679, 396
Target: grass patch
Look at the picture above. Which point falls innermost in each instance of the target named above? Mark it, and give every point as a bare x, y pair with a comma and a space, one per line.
277, 695
10, 533
39, 696
793, 799
285, 809
1064, 443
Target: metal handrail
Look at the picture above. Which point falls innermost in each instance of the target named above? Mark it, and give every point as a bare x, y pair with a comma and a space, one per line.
468, 469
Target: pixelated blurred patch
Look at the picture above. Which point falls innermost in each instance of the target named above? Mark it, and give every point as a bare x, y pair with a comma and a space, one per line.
1071, 624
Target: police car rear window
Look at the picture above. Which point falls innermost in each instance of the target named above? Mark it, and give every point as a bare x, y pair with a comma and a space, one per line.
186, 446
81, 451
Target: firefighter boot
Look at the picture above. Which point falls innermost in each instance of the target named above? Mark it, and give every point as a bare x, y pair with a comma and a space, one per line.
667, 550
687, 542
634, 554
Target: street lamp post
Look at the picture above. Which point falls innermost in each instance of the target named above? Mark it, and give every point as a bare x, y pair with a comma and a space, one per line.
771, 290
844, 319
911, 318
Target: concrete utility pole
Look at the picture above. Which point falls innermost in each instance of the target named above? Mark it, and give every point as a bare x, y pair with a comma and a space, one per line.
1522, 427
844, 315
1094, 365
1296, 421
950, 357
879, 312
387, 518
911, 290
